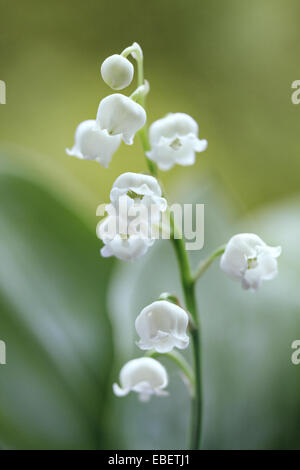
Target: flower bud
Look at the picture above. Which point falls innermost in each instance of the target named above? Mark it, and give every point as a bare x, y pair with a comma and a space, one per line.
248, 259
93, 143
162, 326
145, 376
174, 139
117, 72
118, 114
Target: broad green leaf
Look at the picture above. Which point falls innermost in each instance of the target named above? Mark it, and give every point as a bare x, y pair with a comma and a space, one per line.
54, 387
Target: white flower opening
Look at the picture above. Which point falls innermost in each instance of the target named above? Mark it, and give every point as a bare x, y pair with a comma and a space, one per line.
120, 115
247, 258
117, 72
174, 140
145, 376
145, 187
93, 143
162, 326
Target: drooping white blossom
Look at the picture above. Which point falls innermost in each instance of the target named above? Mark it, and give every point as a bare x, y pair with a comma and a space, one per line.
174, 140
123, 238
120, 115
117, 72
145, 376
133, 215
145, 187
247, 258
94, 143
162, 326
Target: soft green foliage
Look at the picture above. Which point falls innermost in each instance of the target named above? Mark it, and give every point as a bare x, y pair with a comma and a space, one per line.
55, 388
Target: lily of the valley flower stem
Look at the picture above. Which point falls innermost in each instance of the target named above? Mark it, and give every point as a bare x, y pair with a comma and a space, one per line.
145, 376
162, 326
174, 139
247, 258
93, 143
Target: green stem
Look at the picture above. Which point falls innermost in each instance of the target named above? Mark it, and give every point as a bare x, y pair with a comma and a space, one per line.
141, 99
188, 285
204, 265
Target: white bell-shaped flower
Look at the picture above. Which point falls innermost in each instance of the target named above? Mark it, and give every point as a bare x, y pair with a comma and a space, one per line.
123, 247
144, 187
145, 376
117, 72
162, 326
118, 114
93, 143
134, 214
248, 259
174, 139
126, 231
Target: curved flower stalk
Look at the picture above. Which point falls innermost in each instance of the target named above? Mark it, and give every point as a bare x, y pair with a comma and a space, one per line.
249, 260
162, 326
93, 143
174, 139
145, 376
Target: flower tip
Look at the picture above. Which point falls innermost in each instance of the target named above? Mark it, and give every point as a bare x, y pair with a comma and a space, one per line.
118, 391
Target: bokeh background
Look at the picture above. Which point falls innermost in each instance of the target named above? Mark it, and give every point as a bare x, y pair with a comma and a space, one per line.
67, 315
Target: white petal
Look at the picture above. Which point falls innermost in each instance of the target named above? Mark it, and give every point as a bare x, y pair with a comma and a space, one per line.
173, 124
117, 72
162, 326
140, 184
118, 114
239, 249
249, 259
120, 392
180, 149
145, 376
93, 143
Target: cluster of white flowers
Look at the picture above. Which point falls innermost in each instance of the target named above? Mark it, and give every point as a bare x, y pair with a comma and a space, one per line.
123, 234
162, 325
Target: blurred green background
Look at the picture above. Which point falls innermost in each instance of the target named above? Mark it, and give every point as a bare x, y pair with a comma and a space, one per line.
66, 315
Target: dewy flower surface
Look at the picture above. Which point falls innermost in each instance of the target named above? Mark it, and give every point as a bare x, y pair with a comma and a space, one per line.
120, 115
93, 143
162, 326
174, 139
145, 376
117, 72
248, 259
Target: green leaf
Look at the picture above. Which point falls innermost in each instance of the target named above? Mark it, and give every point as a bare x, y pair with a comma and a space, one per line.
55, 388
